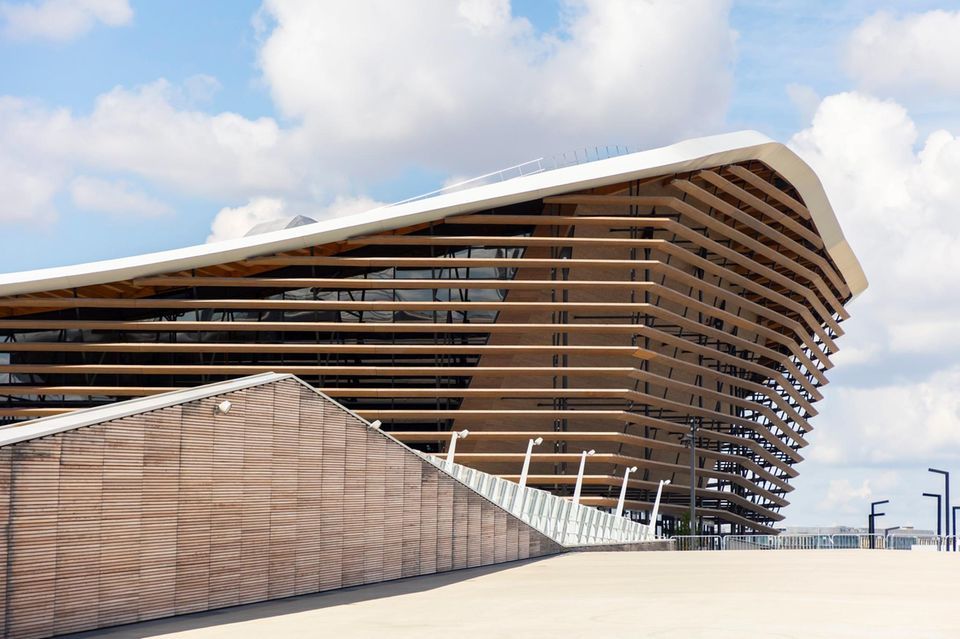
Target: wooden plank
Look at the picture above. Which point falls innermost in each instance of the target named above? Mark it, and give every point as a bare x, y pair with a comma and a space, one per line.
283, 491
255, 510
159, 511
309, 492
226, 517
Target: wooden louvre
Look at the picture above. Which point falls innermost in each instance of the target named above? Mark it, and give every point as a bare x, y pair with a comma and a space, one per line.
634, 308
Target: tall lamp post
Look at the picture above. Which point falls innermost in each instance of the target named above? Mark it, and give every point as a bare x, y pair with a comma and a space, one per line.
576, 491
526, 460
583, 465
872, 519
623, 489
452, 448
939, 515
946, 500
953, 510
693, 476
525, 470
656, 507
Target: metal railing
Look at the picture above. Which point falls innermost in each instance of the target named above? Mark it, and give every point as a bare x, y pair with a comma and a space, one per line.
556, 517
531, 167
698, 542
837, 541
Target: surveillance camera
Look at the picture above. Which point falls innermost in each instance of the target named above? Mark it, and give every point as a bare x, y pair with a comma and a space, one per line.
538, 441
591, 452
224, 407
376, 424
463, 433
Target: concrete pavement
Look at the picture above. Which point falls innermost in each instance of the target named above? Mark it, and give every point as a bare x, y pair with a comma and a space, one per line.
832, 594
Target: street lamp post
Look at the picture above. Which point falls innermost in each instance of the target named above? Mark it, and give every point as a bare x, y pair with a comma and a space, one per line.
946, 500
452, 448
656, 507
872, 519
953, 510
524, 471
583, 465
526, 460
693, 476
623, 489
939, 515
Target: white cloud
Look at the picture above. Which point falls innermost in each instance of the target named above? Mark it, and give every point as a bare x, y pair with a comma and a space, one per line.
901, 55
459, 88
95, 194
895, 192
233, 222
900, 423
896, 198
141, 132
844, 497
467, 86
26, 192
60, 19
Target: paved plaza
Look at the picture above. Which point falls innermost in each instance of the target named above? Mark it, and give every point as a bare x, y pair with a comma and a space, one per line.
717, 595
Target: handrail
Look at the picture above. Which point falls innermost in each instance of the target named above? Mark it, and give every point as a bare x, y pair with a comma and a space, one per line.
556, 517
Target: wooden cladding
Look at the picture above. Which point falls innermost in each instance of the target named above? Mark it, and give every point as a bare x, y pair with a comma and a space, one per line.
637, 307
180, 510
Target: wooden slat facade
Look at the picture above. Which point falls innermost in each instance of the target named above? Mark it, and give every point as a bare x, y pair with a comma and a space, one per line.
638, 307
181, 510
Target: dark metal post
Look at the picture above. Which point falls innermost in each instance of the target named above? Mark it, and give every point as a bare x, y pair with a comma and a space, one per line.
946, 499
693, 476
939, 515
872, 518
954, 510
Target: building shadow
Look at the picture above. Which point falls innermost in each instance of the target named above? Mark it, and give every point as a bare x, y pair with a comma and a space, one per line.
300, 603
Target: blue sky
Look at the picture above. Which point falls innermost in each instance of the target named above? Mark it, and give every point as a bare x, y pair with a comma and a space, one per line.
128, 127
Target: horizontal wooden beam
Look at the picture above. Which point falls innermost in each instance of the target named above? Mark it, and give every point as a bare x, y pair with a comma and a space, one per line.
283, 347
176, 326
372, 371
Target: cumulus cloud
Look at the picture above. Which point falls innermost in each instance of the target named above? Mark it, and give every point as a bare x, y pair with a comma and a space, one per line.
234, 222
141, 132
466, 85
844, 497
60, 19
899, 55
27, 191
452, 87
95, 194
896, 196
899, 423
895, 192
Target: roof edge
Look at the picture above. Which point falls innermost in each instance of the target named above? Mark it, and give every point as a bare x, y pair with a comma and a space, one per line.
689, 155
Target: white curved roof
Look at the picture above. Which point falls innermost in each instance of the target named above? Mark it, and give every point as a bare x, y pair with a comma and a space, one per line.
691, 155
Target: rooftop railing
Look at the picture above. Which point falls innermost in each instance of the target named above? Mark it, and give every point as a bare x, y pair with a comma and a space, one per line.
531, 167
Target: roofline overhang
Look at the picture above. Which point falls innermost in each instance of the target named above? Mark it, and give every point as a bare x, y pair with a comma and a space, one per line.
690, 155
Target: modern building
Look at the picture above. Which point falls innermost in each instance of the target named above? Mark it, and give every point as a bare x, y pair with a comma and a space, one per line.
614, 305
